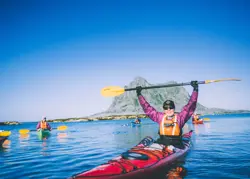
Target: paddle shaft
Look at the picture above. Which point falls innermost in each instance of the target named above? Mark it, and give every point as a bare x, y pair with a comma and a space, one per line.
163, 86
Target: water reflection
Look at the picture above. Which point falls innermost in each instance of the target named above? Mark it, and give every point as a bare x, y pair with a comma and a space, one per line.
199, 128
44, 147
6, 143
24, 137
202, 128
5, 147
178, 172
196, 128
207, 126
62, 137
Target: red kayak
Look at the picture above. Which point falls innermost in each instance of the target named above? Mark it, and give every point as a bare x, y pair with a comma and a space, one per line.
139, 162
198, 122
2, 139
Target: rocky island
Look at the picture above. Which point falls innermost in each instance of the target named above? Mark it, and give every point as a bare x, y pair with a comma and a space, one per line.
111, 117
126, 106
9, 123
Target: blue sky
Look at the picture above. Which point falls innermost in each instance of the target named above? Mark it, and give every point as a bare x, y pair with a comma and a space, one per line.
57, 55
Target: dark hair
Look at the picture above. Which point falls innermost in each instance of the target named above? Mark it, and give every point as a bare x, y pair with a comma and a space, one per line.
168, 104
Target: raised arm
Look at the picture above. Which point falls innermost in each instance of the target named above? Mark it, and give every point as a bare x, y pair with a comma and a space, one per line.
188, 109
150, 111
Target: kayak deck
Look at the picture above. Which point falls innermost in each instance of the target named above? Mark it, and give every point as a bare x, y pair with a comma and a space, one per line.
138, 162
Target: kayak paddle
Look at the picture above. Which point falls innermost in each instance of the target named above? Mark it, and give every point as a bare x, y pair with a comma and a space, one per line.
25, 131
116, 90
5, 133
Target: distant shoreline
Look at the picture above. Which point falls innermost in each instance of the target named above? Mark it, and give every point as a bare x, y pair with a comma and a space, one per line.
111, 117
9, 123
103, 118
118, 117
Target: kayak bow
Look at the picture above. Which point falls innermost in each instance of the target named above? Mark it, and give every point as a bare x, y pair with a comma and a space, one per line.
138, 162
43, 133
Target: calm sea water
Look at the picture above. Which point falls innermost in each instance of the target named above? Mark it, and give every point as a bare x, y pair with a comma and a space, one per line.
221, 148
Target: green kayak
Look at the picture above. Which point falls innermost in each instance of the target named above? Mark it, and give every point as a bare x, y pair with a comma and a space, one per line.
43, 133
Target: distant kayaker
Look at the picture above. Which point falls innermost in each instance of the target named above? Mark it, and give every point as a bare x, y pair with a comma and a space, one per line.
137, 120
170, 124
43, 124
196, 117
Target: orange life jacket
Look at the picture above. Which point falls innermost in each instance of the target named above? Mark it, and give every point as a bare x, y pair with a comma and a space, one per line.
43, 125
169, 127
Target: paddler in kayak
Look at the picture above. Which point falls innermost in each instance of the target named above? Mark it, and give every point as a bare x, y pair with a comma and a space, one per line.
196, 117
170, 124
43, 124
137, 120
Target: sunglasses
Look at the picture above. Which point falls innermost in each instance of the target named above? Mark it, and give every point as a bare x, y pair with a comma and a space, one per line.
168, 108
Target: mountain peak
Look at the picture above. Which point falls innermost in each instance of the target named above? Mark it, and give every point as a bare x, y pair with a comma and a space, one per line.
128, 103
138, 81
139, 78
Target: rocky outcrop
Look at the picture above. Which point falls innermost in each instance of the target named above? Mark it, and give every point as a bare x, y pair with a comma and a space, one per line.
127, 103
10, 123
126, 106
